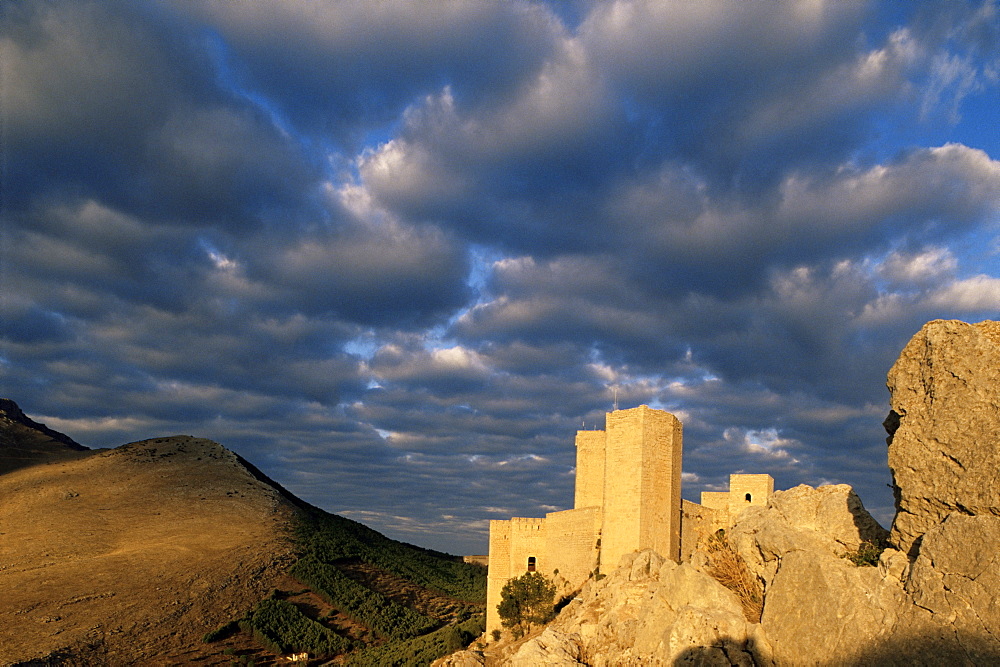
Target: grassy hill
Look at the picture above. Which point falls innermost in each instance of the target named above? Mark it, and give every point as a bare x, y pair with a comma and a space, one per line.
177, 551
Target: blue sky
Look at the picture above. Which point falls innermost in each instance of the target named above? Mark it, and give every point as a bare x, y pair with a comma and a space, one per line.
396, 253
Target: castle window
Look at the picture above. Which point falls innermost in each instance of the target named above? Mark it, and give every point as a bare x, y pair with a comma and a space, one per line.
531, 563
748, 497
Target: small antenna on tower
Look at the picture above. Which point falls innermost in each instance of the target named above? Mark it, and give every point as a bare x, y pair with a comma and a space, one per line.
616, 397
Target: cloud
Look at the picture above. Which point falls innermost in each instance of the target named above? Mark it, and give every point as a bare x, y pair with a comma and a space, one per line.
396, 254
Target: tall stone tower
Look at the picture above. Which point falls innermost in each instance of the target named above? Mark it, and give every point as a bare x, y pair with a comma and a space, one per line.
642, 484
590, 446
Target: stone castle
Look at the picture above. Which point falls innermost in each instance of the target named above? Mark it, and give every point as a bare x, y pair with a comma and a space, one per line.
627, 498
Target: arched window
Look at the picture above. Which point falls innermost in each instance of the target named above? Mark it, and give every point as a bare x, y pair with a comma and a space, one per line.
748, 497
531, 563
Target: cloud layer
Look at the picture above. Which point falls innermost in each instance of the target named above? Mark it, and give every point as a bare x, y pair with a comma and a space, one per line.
396, 254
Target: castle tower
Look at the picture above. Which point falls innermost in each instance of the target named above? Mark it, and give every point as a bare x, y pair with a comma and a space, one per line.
590, 454
642, 484
747, 490
516, 546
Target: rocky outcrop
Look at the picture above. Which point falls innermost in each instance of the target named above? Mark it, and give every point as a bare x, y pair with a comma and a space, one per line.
932, 599
650, 611
24, 442
944, 442
829, 520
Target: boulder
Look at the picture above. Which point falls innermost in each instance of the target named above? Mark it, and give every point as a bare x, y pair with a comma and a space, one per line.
944, 427
650, 611
828, 520
956, 577
820, 609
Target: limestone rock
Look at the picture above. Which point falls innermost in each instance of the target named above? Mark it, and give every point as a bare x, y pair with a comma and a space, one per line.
823, 609
828, 520
460, 659
944, 427
956, 577
650, 611
550, 648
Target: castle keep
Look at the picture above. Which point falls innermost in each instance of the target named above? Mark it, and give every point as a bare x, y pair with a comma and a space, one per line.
627, 498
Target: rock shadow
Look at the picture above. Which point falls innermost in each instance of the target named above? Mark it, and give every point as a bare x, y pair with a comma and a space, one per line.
944, 649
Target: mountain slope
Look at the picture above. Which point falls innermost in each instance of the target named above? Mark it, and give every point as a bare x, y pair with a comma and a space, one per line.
141, 553
24, 442
130, 554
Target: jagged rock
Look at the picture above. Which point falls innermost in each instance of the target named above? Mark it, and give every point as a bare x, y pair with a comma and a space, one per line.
650, 611
944, 427
460, 659
956, 576
828, 520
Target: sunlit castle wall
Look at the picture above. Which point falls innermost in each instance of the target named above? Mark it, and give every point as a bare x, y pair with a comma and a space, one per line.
572, 539
747, 491
642, 489
516, 546
590, 454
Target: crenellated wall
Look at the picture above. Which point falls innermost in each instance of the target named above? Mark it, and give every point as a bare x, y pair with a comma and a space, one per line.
627, 498
642, 487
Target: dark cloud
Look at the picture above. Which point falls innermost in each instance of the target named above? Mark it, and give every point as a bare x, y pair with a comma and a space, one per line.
397, 254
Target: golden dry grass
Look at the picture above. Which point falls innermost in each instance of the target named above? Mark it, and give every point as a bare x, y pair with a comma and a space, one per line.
134, 552
730, 570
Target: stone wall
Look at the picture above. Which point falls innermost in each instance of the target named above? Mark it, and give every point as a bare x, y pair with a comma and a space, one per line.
716, 500
512, 543
589, 469
498, 571
572, 545
698, 522
642, 500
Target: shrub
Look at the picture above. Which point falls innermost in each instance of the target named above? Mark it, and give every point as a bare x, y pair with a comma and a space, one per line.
420, 651
730, 570
525, 601
282, 628
385, 617
867, 553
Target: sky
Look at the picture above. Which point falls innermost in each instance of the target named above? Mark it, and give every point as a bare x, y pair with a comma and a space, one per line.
397, 253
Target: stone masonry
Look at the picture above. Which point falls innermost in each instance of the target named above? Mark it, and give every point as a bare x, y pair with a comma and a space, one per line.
627, 498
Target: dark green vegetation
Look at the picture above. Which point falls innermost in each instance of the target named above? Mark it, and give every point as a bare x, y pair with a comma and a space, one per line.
421, 650
390, 603
373, 610
867, 553
525, 601
283, 628
330, 538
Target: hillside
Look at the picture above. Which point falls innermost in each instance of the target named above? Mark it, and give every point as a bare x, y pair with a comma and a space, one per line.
25, 442
135, 554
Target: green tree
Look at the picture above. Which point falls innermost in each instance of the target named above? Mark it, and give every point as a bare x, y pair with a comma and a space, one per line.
525, 601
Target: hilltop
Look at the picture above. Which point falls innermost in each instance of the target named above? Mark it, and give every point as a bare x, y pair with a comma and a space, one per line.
138, 554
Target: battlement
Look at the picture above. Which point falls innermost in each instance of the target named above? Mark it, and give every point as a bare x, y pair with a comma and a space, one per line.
627, 498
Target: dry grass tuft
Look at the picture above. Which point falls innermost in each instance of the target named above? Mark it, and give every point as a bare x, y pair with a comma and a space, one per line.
729, 569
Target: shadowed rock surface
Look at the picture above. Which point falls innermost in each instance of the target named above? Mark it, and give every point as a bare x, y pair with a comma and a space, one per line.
25, 442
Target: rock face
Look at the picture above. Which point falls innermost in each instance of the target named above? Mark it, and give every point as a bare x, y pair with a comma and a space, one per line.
650, 611
829, 520
944, 443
